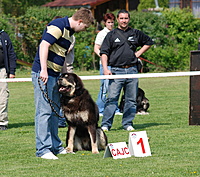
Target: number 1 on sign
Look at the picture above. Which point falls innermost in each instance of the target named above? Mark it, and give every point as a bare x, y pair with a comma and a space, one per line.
142, 145
138, 144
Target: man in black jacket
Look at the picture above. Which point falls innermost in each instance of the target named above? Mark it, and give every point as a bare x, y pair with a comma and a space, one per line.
7, 70
119, 50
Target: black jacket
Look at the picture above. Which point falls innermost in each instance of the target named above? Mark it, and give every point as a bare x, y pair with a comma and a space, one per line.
8, 52
118, 50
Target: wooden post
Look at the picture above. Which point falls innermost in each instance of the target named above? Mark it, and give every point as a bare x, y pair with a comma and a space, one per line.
127, 5
194, 115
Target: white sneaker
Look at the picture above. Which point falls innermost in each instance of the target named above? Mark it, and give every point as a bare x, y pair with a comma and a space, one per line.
130, 128
105, 129
64, 151
118, 113
49, 155
142, 113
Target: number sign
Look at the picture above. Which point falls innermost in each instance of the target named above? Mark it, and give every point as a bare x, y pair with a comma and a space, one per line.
138, 144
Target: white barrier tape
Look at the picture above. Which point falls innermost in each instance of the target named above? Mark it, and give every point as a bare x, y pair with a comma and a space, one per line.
147, 75
16, 80
97, 77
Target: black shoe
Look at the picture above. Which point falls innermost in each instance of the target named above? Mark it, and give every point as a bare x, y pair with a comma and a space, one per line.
3, 127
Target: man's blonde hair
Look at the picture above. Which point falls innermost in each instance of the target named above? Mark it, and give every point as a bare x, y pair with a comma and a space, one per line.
85, 15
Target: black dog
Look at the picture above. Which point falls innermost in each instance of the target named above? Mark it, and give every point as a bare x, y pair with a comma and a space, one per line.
81, 114
142, 102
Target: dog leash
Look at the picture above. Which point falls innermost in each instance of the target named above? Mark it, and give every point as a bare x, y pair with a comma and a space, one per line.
151, 62
51, 102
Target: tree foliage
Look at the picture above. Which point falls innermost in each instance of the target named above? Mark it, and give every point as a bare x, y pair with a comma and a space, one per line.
145, 4
175, 34
19, 7
31, 25
180, 31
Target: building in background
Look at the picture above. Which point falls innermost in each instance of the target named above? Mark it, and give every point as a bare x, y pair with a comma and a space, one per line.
192, 4
98, 7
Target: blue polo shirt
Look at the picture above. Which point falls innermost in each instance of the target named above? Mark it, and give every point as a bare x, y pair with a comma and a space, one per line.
59, 34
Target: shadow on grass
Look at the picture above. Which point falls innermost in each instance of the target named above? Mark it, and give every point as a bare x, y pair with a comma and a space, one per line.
146, 125
143, 126
24, 124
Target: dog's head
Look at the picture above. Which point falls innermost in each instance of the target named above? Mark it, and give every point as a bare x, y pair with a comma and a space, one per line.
70, 84
145, 104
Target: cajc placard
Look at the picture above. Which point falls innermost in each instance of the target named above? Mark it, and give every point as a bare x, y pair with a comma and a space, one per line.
117, 150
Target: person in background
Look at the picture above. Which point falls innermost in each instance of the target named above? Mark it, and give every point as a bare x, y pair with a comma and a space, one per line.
199, 44
7, 70
117, 52
48, 63
69, 59
67, 68
108, 20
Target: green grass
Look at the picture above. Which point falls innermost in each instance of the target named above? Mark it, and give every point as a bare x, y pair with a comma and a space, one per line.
174, 143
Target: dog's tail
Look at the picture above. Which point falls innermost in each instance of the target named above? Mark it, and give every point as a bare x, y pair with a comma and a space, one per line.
102, 140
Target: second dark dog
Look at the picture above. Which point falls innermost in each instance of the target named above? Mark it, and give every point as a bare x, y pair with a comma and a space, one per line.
142, 102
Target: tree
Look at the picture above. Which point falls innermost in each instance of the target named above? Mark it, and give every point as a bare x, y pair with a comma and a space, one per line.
19, 7
175, 33
145, 4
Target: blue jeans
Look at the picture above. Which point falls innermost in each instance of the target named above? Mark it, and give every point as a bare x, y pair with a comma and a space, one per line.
130, 86
61, 121
101, 100
46, 121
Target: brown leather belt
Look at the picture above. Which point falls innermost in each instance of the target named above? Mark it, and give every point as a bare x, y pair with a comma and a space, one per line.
126, 66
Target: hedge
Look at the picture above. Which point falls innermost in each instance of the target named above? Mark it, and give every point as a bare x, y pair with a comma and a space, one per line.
175, 33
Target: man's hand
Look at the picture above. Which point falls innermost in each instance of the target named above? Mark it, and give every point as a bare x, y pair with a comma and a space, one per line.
11, 76
44, 76
104, 60
107, 72
142, 50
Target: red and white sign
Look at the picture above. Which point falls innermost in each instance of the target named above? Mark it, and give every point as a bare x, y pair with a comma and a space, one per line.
117, 150
138, 144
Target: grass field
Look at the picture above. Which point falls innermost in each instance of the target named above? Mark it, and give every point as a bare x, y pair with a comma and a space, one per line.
174, 143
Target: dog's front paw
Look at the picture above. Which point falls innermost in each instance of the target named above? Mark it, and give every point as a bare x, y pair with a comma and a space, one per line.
69, 150
95, 152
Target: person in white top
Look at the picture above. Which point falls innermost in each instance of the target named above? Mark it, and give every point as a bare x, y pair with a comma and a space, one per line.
108, 20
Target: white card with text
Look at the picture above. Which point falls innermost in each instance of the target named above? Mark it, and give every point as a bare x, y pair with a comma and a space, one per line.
117, 150
138, 144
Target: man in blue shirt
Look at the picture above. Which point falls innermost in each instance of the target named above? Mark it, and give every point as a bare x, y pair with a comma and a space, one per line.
56, 40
